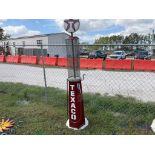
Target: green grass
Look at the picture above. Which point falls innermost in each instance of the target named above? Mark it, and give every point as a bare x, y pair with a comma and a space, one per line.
106, 114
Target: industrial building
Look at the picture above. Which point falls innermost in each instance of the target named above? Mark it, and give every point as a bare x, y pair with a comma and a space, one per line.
37, 40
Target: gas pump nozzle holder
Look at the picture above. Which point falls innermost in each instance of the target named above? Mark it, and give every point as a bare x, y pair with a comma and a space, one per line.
76, 116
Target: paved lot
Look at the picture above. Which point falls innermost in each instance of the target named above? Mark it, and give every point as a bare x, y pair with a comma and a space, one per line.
137, 84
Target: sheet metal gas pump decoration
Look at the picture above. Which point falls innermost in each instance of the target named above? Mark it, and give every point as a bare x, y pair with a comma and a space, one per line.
76, 118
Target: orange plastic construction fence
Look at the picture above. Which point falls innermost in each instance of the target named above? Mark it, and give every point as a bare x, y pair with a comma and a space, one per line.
12, 59
144, 65
28, 59
118, 64
51, 61
91, 63
2, 58
62, 62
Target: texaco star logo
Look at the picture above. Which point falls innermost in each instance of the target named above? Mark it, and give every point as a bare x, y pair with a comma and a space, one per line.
71, 25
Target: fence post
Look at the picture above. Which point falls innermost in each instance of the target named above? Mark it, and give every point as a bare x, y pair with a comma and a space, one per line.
44, 72
14, 45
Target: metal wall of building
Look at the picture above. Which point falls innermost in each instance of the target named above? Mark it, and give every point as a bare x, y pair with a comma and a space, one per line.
28, 41
57, 39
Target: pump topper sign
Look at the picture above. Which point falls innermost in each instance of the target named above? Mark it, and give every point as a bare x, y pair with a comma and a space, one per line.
71, 25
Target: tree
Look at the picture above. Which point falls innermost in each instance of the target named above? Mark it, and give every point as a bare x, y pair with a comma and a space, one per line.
114, 39
2, 35
89, 48
133, 38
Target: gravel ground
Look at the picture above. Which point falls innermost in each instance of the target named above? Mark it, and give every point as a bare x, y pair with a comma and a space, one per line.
140, 85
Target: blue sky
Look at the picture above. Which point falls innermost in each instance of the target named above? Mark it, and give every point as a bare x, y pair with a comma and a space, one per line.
90, 29
42, 25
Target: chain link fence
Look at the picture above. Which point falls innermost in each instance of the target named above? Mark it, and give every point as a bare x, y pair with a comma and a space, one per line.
120, 101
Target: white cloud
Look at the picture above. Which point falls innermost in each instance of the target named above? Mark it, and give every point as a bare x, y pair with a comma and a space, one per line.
18, 31
60, 23
2, 21
89, 38
95, 24
89, 24
128, 26
142, 26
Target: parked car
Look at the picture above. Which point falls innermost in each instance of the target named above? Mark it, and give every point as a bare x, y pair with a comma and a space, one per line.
145, 55
97, 54
150, 52
84, 52
118, 55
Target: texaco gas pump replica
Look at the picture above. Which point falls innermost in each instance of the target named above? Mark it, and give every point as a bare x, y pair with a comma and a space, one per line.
76, 119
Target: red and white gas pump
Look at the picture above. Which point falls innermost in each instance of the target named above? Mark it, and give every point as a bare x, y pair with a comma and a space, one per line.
76, 118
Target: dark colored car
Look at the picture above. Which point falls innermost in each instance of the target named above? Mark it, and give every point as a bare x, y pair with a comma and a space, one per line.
143, 55
97, 54
84, 53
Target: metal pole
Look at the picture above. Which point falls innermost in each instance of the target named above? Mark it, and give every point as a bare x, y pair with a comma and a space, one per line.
73, 54
152, 39
44, 72
5, 49
15, 51
14, 48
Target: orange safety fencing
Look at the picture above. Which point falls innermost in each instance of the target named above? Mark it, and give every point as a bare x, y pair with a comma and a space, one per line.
109, 64
118, 64
83, 63
52, 61
62, 62
91, 63
28, 59
12, 59
2, 58
144, 65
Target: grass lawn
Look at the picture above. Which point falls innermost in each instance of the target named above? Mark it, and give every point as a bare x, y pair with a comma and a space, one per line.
106, 114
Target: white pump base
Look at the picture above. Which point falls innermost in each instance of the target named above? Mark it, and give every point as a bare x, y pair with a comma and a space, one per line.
85, 125
153, 126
